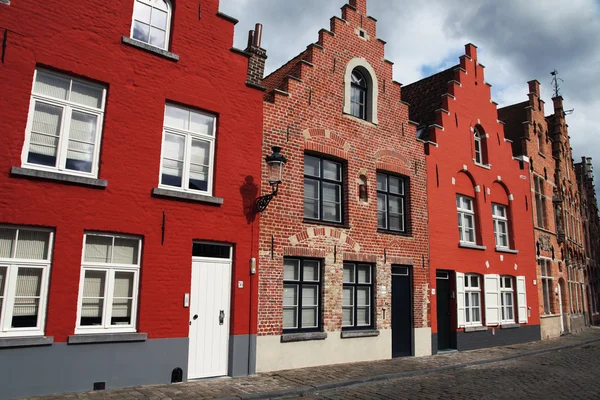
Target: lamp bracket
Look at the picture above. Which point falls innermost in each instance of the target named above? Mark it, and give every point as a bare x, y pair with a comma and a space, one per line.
263, 201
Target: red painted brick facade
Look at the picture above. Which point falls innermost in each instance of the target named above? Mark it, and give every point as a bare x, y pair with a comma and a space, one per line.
450, 105
303, 114
83, 39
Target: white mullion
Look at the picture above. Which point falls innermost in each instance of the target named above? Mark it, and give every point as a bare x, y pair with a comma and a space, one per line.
211, 167
187, 158
97, 141
42, 297
108, 295
63, 139
134, 300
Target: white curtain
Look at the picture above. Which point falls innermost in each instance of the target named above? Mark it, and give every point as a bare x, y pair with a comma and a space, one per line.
177, 117
82, 136
93, 293
51, 85
45, 129
86, 95
348, 306
98, 249
125, 251
27, 293
201, 123
123, 294
7, 240
33, 245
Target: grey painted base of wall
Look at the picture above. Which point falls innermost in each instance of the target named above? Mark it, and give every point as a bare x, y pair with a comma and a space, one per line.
490, 338
62, 368
242, 355
497, 337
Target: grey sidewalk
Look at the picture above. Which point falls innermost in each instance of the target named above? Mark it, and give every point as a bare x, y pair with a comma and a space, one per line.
308, 380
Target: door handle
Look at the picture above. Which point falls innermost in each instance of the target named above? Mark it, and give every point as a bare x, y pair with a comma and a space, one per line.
221, 317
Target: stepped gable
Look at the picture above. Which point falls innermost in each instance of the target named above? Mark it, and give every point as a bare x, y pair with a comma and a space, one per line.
425, 96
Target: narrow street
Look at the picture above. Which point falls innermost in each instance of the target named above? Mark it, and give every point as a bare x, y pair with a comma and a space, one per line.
564, 374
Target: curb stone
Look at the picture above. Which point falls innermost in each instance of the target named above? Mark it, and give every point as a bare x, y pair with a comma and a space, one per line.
310, 389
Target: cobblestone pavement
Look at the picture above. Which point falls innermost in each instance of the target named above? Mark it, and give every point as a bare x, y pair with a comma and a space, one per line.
456, 375
564, 374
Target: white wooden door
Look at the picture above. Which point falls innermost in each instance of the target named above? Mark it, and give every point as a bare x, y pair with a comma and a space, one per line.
209, 318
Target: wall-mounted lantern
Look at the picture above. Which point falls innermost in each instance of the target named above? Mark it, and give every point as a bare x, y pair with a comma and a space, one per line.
275, 163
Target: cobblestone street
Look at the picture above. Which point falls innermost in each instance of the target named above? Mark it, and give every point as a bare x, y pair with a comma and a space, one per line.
563, 368
565, 374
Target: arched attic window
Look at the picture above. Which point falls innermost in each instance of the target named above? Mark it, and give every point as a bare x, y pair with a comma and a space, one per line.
358, 95
361, 90
151, 22
480, 146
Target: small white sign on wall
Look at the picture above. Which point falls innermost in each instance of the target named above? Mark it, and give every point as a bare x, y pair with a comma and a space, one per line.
383, 289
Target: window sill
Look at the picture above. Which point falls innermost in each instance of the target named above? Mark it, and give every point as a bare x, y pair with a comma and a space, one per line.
26, 341
386, 232
549, 316
473, 246
510, 326
55, 176
359, 334
506, 250
107, 338
151, 49
469, 329
544, 230
484, 166
541, 155
360, 120
303, 337
200, 198
334, 224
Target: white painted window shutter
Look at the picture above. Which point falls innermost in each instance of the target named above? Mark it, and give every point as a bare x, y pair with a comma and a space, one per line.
522, 299
491, 286
460, 299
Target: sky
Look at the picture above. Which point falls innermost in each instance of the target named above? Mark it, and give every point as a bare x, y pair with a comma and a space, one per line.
517, 41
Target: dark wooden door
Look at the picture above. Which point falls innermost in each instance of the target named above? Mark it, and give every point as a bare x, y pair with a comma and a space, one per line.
401, 312
443, 309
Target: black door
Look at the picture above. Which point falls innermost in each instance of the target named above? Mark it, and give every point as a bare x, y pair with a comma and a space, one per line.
443, 309
401, 312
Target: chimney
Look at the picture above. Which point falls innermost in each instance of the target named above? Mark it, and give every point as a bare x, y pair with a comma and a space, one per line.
256, 63
534, 87
359, 5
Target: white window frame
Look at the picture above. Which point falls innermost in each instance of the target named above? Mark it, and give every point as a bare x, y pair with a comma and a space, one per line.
468, 290
507, 292
12, 266
168, 27
499, 219
110, 270
546, 280
461, 214
63, 140
189, 136
478, 145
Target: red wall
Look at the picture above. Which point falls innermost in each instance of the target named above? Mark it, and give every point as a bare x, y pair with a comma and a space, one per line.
84, 38
472, 106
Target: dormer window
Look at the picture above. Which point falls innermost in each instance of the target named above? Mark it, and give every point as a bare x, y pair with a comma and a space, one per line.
479, 146
358, 97
151, 22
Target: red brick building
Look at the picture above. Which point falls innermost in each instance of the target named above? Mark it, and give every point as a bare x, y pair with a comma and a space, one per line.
343, 247
126, 195
556, 199
482, 267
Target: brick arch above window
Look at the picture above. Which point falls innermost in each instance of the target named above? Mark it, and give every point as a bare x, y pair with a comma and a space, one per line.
465, 184
373, 87
391, 161
338, 235
326, 142
499, 193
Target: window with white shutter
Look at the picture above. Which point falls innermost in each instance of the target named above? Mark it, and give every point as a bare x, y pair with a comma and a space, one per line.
472, 300
109, 284
507, 299
65, 125
492, 299
25, 256
522, 299
460, 299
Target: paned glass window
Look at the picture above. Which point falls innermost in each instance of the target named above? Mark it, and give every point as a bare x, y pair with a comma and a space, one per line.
301, 295
108, 290
25, 256
466, 219
65, 124
357, 296
507, 296
391, 203
546, 285
472, 299
478, 141
358, 95
323, 180
151, 22
540, 207
188, 150
500, 217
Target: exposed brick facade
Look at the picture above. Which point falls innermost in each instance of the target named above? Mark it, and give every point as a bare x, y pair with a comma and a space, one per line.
466, 105
303, 114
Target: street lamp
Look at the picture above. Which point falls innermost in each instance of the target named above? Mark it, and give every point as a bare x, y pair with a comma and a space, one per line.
275, 163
